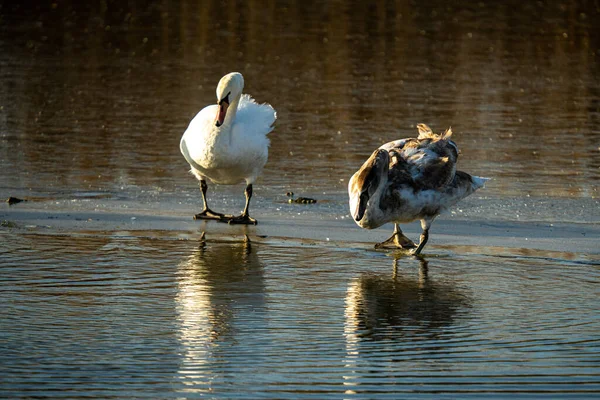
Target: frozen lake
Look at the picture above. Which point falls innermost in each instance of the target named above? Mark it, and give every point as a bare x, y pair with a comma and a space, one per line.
108, 292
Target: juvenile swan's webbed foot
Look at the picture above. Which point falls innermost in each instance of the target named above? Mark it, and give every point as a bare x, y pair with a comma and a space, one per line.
396, 241
207, 213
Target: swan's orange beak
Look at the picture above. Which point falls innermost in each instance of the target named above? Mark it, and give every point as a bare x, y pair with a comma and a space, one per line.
223, 106
222, 113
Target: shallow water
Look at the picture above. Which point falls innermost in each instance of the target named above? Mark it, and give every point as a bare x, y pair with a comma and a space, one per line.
121, 316
94, 99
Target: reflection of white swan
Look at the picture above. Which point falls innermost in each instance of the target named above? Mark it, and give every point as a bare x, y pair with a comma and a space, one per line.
397, 310
407, 180
218, 284
227, 143
193, 307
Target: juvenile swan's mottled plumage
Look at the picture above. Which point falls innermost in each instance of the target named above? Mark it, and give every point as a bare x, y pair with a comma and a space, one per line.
406, 180
227, 143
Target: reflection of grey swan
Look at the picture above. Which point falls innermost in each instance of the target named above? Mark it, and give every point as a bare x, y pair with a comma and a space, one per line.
395, 306
407, 180
227, 143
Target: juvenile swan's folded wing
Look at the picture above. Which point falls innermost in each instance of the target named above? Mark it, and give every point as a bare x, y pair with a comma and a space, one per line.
432, 158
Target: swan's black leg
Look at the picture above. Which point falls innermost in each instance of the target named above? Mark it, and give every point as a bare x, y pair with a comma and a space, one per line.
207, 213
425, 224
244, 218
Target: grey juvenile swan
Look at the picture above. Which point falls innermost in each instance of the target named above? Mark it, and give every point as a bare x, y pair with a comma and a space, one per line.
407, 180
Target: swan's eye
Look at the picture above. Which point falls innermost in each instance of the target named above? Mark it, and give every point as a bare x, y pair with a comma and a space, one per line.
225, 99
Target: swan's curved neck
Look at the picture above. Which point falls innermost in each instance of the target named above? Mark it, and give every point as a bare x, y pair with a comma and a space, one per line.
380, 195
231, 112
375, 214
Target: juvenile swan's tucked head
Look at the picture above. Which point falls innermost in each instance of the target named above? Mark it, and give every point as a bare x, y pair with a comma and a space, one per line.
229, 88
365, 182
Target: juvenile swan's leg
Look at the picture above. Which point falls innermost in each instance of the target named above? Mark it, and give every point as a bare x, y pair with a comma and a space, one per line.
245, 217
425, 224
397, 240
207, 213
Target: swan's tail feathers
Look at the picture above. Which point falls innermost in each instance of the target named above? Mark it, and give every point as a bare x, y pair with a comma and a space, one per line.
255, 114
479, 182
447, 134
274, 118
425, 132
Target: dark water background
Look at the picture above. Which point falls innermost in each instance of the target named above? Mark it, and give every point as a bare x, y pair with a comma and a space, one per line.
94, 98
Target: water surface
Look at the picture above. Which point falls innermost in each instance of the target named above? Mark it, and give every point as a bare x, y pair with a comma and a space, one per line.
121, 316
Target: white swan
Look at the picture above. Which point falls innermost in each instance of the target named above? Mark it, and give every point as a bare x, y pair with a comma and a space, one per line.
406, 180
227, 143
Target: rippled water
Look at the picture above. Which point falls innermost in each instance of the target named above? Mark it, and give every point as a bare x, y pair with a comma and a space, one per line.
94, 98
135, 317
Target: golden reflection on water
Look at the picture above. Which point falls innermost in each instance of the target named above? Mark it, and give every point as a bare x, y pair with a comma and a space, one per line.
220, 287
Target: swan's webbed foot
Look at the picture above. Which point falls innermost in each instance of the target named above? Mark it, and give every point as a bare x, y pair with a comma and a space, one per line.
396, 241
207, 213
243, 219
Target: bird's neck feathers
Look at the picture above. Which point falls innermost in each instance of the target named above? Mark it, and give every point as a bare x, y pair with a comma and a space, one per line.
230, 116
223, 135
372, 216
375, 215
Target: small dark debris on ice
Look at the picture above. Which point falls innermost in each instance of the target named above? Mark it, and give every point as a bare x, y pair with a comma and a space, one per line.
14, 200
300, 200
